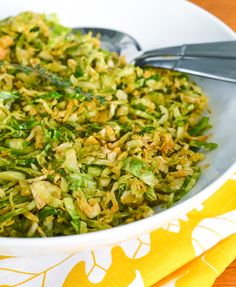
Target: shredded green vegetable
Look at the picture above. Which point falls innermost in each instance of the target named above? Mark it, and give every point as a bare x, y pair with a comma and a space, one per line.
87, 141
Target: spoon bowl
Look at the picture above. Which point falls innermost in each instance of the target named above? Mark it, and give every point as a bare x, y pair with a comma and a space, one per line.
114, 41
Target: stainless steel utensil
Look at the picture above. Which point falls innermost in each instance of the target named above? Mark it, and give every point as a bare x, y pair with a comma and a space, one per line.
215, 60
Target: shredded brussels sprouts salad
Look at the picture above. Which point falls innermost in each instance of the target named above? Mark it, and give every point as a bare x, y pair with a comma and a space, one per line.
87, 141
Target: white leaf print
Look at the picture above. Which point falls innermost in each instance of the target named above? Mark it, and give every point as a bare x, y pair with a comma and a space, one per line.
36, 281
174, 226
103, 257
138, 247
8, 277
209, 231
29, 264
102, 261
138, 281
18, 270
97, 274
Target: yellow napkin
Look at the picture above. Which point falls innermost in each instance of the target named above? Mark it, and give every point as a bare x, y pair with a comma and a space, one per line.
191, 251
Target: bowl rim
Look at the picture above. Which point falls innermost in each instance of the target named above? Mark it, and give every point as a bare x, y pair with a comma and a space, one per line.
119, 233
217, 20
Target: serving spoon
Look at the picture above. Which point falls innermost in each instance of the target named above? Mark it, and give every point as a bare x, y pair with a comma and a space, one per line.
216, 60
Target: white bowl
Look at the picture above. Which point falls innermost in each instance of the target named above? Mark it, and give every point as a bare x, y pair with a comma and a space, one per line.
154, 23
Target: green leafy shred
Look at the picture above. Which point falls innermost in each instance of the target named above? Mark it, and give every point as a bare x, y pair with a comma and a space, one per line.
140, 169
204, 145
70, 207
202, 125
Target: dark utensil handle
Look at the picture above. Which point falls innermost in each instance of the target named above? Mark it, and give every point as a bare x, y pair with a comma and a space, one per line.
215, 68
215, 49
